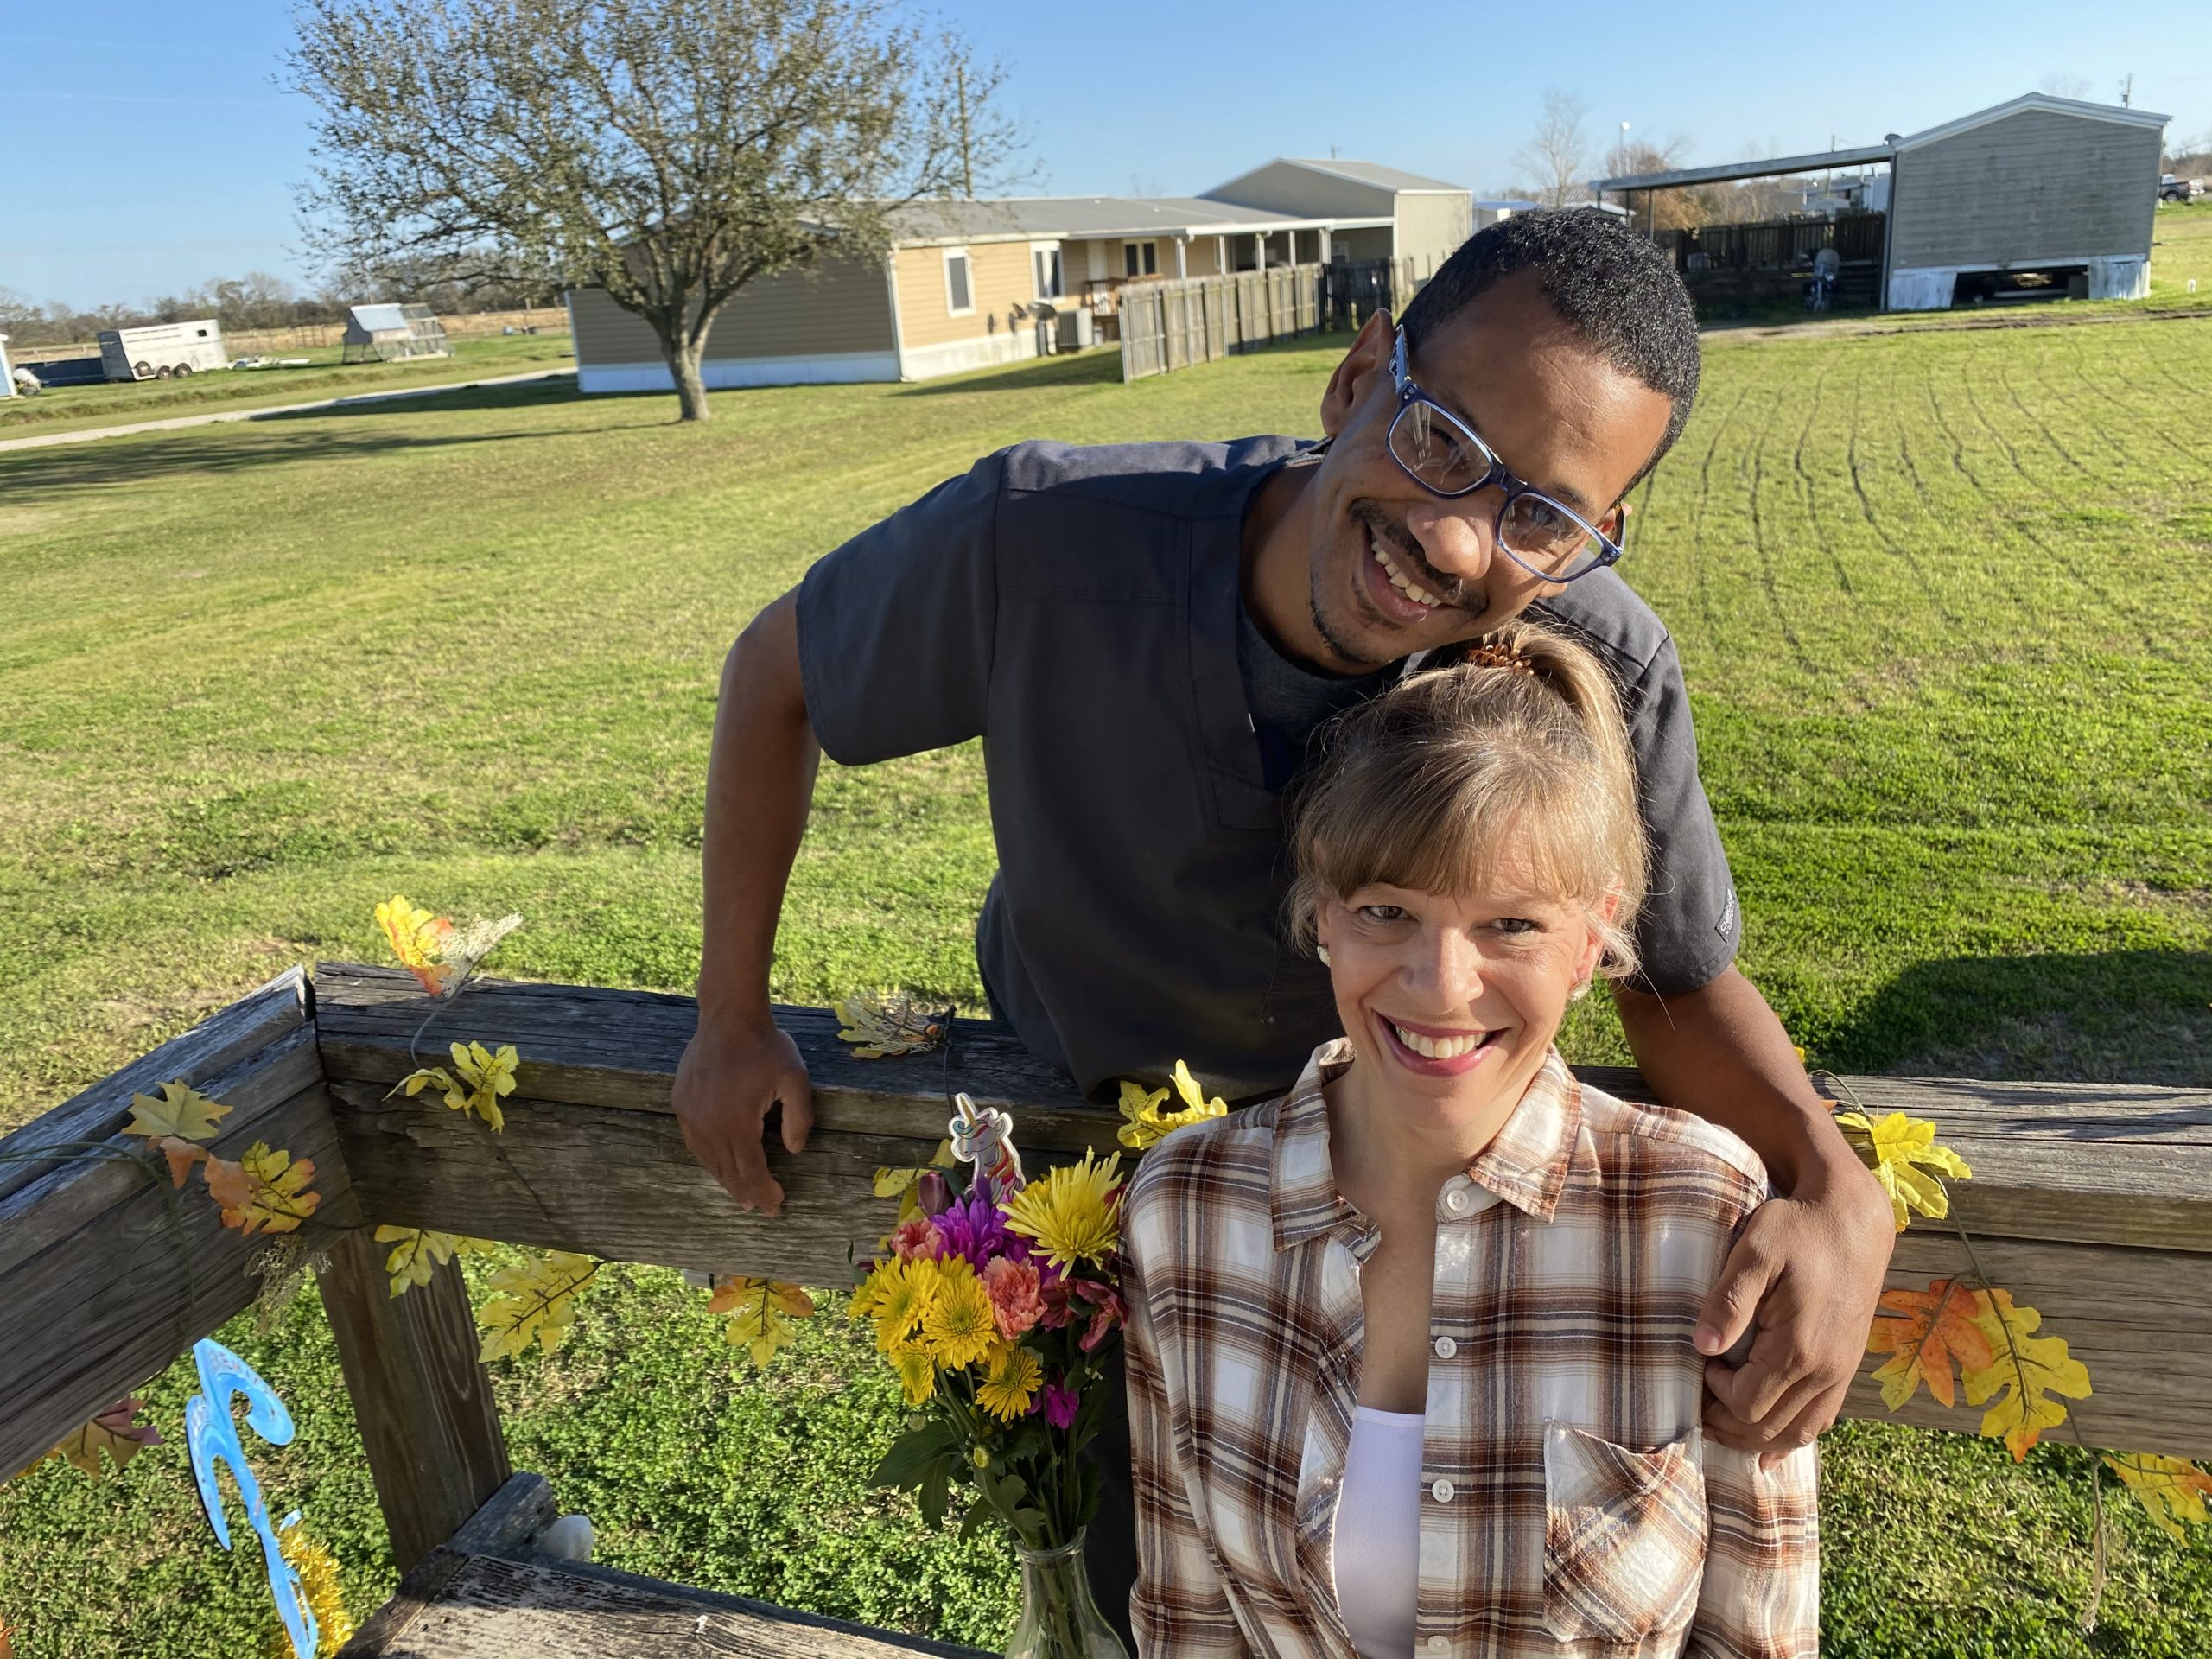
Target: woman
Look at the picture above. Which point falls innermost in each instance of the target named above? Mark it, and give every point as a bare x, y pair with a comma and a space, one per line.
1409, 1357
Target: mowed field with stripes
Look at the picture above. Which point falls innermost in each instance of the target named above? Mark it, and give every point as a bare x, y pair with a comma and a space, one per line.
1942, 600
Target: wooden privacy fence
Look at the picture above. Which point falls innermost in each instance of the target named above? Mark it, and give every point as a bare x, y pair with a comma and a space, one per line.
2093, 1202
1174, 323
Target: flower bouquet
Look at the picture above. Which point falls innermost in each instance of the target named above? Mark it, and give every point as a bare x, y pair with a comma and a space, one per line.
996, 1299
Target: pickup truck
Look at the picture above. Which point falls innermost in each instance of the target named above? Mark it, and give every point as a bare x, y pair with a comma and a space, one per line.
2173, 189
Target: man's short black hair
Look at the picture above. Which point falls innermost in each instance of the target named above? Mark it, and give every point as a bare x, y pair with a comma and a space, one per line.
1612, 286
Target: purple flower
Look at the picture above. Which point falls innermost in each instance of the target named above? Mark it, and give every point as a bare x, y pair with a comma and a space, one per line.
1058, 1403
934, 1192
974, 1227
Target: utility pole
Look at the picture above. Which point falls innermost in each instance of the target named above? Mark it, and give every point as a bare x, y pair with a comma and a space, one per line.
967, 163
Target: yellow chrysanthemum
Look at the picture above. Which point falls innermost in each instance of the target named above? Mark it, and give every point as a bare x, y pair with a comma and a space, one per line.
905, 1292
1014, 1378
917, 1373
1073, 1213
1901, 1151
959, 1325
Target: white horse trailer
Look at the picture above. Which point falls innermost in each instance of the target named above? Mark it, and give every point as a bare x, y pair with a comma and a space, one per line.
161, 351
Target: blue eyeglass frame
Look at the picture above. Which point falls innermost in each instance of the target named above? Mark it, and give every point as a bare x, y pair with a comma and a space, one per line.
1609, 551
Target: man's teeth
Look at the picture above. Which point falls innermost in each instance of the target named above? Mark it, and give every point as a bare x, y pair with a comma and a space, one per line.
1398, 579
1440, 1048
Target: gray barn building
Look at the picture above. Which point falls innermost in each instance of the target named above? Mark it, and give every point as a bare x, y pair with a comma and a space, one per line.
2041, 194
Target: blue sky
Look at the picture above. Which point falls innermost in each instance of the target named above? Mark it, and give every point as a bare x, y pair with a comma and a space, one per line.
160, 154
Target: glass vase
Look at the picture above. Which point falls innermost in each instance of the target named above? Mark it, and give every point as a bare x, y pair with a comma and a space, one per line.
1060, 1618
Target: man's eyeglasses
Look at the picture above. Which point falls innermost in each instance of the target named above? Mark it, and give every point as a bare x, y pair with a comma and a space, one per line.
1441, 452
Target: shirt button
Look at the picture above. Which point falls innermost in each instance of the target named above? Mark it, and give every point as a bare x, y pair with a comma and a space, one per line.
1439, 1644
1441, 1492
1457, 1198
1446, 1348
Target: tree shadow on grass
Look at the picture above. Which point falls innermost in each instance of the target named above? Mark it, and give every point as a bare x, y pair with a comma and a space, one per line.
68, 471
2120, 1016
560, 387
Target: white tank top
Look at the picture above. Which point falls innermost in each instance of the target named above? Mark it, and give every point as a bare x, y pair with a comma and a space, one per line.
1378, 1532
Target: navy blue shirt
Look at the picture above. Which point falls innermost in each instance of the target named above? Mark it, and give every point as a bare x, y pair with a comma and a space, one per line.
1078, 609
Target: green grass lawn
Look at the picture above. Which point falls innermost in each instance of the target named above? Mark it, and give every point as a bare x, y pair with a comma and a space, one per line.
1942, 598
70, 409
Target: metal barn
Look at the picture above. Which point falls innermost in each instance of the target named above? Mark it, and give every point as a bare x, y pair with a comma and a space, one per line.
386, 334
2040, 196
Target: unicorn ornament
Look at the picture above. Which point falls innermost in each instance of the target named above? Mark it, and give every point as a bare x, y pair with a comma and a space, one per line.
983, 1136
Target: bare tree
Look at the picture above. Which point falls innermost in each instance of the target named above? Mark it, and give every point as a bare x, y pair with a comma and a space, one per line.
1558, 156
668, 151
2059, 85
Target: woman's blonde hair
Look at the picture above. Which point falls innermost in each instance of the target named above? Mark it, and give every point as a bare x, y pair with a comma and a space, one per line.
1521, 748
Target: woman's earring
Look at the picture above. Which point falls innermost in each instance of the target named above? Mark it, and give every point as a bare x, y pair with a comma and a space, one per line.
1322, 952
1579, 992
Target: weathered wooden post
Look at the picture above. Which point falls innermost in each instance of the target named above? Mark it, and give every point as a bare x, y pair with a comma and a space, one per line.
430, 1426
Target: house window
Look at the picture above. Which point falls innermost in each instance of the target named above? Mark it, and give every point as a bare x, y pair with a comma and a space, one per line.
959, 284
1045, 260
1139, 258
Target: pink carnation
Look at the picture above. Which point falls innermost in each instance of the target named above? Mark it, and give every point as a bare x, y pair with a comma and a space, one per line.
1012, 1286
914, 1237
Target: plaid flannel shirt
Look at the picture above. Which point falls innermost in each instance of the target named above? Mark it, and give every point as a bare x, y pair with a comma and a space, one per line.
1570, 1503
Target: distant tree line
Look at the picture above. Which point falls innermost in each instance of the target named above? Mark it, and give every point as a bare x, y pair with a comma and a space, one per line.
260, 300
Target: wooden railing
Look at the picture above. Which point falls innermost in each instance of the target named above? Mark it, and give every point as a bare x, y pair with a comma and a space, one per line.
2091, 1202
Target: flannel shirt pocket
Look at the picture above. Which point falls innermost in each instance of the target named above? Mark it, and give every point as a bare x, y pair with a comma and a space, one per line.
1624, 1535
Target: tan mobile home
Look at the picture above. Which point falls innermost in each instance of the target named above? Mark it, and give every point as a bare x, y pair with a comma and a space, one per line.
972, 283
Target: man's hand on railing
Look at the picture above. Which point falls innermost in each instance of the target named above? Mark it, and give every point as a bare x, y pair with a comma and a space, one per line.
1807, 1269
730, 1075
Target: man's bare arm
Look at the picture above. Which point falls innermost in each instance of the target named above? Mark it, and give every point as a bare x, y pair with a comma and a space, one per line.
759, 785
1810, 1264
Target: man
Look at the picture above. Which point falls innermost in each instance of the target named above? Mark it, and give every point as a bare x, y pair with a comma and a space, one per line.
1146, 637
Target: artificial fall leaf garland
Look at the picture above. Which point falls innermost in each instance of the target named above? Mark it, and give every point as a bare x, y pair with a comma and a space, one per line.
2003, 1363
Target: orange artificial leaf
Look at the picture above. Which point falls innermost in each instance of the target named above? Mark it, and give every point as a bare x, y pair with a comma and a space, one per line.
266, 1191
178, 1110
1923, 1332
116, 1431
228, 1185
2027, 1369
181, 1154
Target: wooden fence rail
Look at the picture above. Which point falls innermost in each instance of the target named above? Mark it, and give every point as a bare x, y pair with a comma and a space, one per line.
2093, 1202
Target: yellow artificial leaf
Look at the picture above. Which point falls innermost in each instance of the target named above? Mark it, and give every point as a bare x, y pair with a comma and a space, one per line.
178, 1111
1901, 1152
2029, 1369
880, 1026
1923, 1332
2171, 1490
485, 1075
899, 1183
763, 1310
418, 939
1147, 1125
535, 1303
416, 1251
116, 1431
